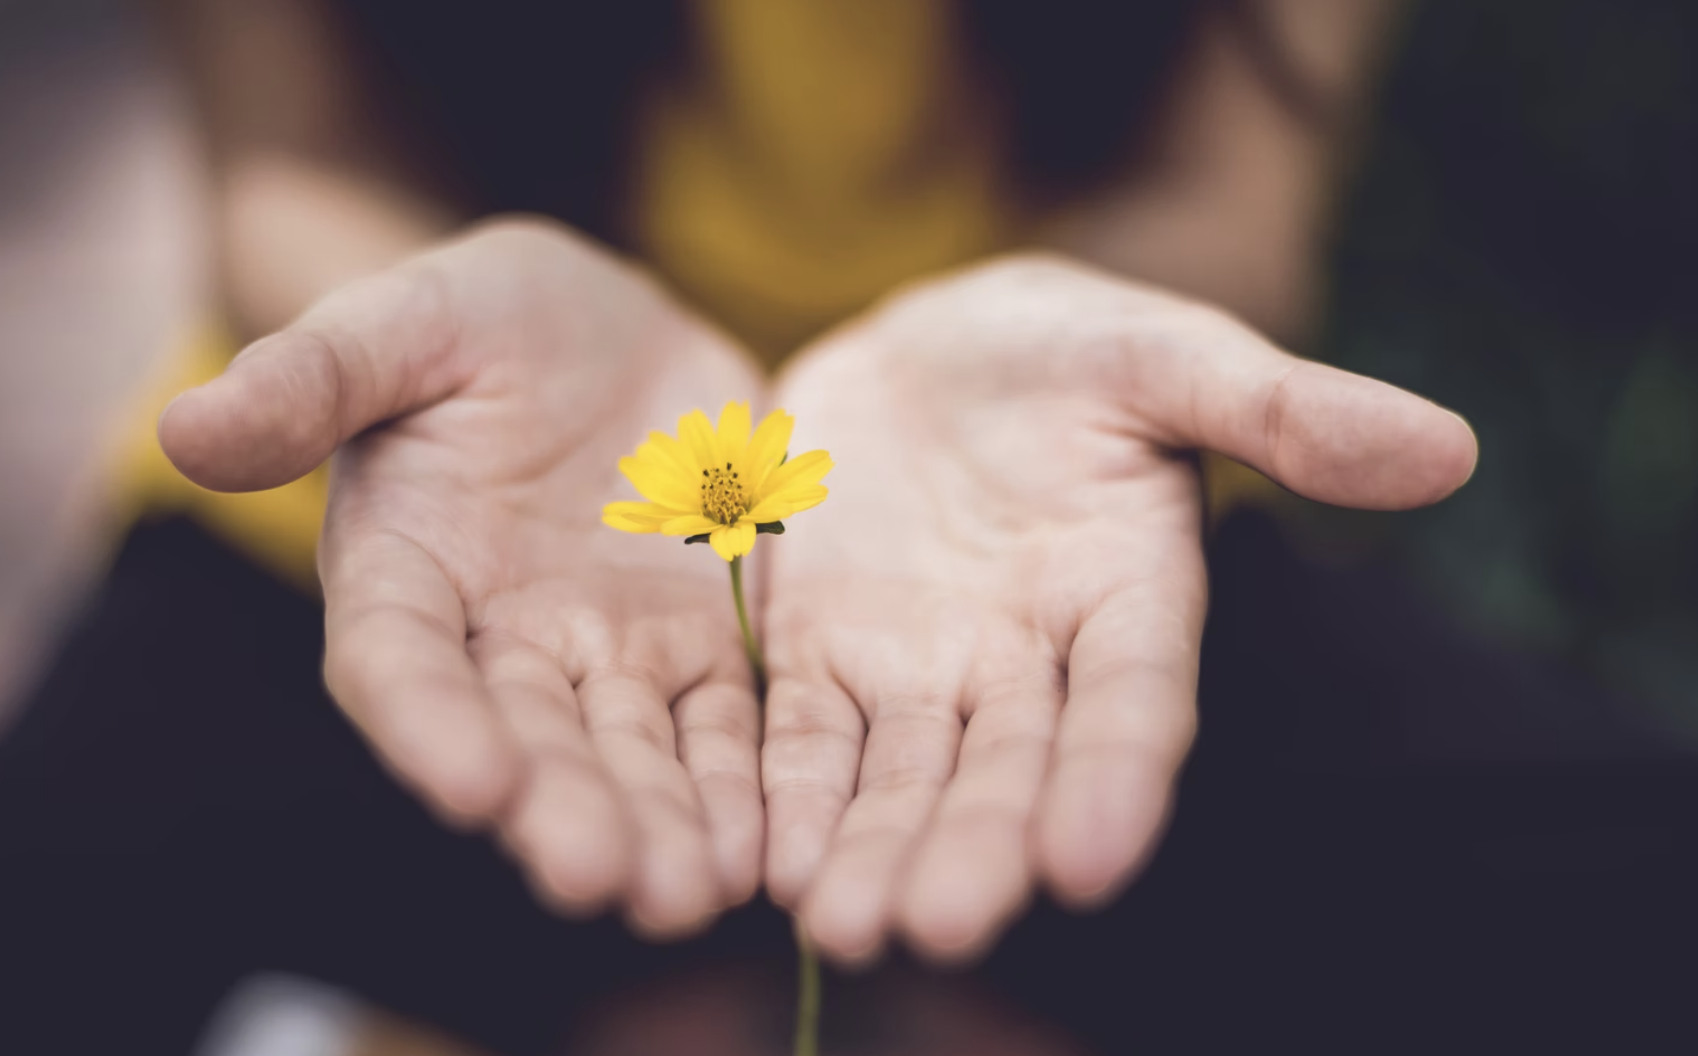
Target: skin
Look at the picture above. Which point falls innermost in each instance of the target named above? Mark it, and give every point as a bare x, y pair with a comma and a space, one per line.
984, 654
580, 691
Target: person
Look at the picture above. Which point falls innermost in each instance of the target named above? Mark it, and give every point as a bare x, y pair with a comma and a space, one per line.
476, 710
1029, 274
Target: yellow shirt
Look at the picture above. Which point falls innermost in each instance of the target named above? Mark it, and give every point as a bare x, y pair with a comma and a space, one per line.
817, 153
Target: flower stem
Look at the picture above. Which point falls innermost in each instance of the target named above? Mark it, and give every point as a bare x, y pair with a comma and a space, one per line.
756, 661
807, 997
808, 966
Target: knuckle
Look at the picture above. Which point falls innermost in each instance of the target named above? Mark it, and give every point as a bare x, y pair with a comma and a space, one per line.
805, 730
657, 801
801, 785
647, 730
313, 380
905, 778
1277, 416
742, 784
1004, 817
1164, 741
721, 727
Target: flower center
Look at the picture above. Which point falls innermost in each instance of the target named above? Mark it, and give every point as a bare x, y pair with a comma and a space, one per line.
722, 495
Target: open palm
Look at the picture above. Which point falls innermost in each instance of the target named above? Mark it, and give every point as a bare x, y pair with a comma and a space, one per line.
583, 691
984, 652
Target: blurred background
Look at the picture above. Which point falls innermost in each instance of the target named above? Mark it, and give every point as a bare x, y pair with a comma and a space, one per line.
101, 270
1520, 243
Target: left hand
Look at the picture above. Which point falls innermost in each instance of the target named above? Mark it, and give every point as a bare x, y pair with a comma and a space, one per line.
983, 658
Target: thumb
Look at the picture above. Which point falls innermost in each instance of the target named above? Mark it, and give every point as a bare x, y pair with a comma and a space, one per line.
1325, 433
373, 350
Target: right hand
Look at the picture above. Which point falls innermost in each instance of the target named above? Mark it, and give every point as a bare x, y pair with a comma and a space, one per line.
582, 691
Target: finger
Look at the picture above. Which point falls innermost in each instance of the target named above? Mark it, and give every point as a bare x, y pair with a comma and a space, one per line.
373, 350
972, 870
1128, 722
1205, 380
809, 763
675, 888
395, 660
719, 744
911, 748
568, 823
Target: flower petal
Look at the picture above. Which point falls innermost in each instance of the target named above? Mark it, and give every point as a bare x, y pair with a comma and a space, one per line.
733, 432
768, 510
696, 432
676, 453
690, 524
771, 440
659, 485
805, 497
794, 499
640, 517
803, 469
659, 461
733, 540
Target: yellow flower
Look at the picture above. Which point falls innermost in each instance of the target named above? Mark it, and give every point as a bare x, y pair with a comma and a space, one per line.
719, 486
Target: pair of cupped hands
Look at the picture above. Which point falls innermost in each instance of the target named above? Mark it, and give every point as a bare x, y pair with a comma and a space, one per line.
983, 648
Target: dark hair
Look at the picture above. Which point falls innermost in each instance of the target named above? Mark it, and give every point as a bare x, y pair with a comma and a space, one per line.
527, 105
1078, 82
516, 105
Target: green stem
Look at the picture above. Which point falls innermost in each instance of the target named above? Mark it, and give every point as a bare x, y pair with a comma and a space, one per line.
807, 997
756, 661
808, 966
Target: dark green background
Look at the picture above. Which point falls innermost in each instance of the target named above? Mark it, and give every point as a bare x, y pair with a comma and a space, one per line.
1522, 245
